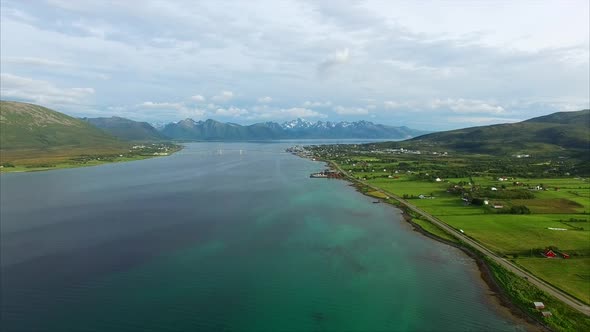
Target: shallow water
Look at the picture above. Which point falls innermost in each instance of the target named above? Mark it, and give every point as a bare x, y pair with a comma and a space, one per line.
228, 237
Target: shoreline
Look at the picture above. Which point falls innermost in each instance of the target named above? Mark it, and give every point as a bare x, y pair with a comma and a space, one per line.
497, 294
66, 165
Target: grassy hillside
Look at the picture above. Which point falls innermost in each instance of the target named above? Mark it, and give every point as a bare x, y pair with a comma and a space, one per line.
126, 129
564, 133
28, 126
35, 136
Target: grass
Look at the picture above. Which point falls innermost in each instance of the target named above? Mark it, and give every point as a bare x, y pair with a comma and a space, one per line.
523, 294
521, 237
31, 160
518, 234
377, 194
27, 126
573, 274
433, 229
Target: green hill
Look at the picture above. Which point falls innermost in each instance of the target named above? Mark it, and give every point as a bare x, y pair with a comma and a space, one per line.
28, 126
126, 129
34, 137
564, 133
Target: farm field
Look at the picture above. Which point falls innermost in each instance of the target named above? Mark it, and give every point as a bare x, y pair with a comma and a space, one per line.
69, 157
571, 275
556, 214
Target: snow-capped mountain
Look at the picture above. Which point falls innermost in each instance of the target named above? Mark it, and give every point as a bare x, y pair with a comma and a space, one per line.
299, 128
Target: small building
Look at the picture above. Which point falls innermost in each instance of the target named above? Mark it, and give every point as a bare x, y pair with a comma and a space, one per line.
539, 305
549, 254
438, 180
486, 202
493, 189
498, 206
546, 313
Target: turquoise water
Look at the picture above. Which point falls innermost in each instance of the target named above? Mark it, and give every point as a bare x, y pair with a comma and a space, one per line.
223, 237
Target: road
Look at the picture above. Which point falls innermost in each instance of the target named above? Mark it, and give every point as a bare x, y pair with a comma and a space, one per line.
562, 296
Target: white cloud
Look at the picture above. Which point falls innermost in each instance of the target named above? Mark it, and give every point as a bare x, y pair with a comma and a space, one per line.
288, 114
41, 92
34, 61
467, 106
351, 110
223, 97
391, 104
340, 57
264, 100
299, 112
163, 105
171, 109
370, 49
231, 112
480, 120
17, 14
198, 98
317, 104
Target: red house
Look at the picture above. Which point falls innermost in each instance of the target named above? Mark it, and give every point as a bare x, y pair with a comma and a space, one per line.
550, 254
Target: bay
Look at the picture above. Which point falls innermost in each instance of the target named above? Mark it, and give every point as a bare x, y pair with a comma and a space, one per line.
223, 237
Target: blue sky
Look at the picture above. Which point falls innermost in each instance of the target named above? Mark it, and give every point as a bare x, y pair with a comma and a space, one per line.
428, 65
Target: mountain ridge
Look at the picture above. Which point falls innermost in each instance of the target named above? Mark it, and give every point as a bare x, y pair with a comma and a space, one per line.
561, 132
126, 129
29, 126
299, 128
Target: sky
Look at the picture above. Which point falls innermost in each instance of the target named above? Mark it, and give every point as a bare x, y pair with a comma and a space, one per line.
431, 65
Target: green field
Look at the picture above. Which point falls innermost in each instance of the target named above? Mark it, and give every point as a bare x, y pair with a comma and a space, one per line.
571, 275
31, 160
523, 294
429, 227
557, 207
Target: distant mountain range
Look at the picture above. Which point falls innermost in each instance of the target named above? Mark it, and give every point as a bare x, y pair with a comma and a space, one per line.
189, 129
28, 126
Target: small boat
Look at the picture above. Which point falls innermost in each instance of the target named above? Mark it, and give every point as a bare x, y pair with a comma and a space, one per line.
376, 202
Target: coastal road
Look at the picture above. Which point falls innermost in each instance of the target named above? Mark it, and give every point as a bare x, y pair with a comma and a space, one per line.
562, 296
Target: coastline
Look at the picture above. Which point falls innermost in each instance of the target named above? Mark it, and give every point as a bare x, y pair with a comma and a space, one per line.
497, 295
92, 163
